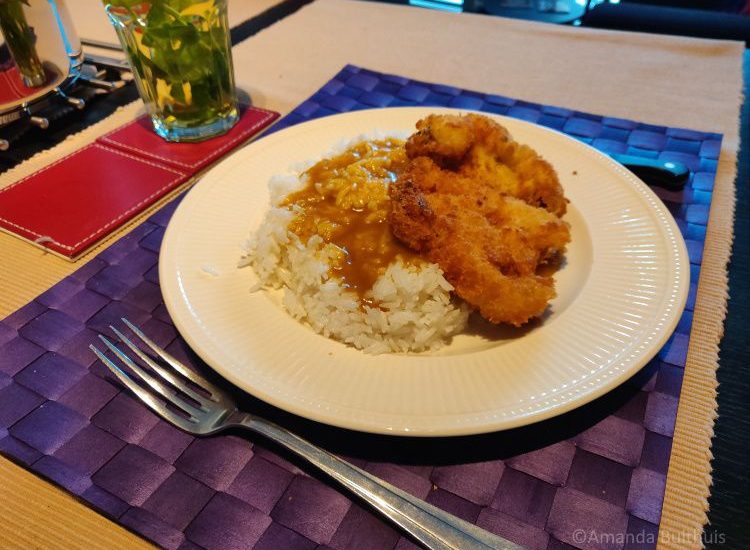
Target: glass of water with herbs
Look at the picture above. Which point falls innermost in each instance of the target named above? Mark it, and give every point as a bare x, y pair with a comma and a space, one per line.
181, 58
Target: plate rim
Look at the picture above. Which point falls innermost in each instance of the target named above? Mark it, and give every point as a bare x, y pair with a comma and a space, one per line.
679, 286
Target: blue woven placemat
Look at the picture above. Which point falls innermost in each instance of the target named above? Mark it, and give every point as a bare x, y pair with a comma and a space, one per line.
590, 479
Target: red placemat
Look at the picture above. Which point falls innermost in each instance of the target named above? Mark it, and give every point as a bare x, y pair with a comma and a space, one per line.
73, 203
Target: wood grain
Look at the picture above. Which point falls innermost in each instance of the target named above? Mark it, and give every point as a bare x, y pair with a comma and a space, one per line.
35, 514
521, 60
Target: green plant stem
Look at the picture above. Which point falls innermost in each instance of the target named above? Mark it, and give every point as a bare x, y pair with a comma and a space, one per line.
20, 40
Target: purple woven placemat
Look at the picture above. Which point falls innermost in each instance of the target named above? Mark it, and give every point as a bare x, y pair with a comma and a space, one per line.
593, 478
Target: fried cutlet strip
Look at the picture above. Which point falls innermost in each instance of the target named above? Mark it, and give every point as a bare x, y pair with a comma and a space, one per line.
491, 266
479, 148
489, 243
542, 230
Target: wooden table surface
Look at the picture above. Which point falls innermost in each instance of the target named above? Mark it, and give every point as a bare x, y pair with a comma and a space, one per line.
283, 64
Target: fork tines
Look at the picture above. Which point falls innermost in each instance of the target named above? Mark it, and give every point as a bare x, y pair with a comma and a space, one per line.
162, 380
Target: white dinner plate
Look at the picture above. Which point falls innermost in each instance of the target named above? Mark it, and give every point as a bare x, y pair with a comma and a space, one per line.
620, 294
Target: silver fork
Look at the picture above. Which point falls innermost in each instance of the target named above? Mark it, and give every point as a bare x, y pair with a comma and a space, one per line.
216, 411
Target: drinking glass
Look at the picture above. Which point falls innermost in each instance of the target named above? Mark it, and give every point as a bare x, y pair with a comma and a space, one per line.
21, 42
181, 58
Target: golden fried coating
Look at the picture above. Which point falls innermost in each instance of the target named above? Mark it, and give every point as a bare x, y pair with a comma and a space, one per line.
485, 223
477, 147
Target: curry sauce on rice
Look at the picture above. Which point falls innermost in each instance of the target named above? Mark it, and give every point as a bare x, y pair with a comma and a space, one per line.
388, 245
345, 201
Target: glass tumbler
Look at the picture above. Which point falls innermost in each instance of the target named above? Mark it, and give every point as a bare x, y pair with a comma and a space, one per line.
181, 58
21, 41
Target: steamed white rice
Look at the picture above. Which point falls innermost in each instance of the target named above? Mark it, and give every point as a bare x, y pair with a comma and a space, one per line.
414, 308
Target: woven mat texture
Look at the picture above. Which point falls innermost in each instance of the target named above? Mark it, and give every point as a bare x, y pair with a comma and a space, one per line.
593, 478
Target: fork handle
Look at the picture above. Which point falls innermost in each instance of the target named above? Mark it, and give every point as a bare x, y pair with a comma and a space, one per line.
433, 527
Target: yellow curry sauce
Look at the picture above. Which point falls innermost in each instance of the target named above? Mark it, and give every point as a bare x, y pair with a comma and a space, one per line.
345, 201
